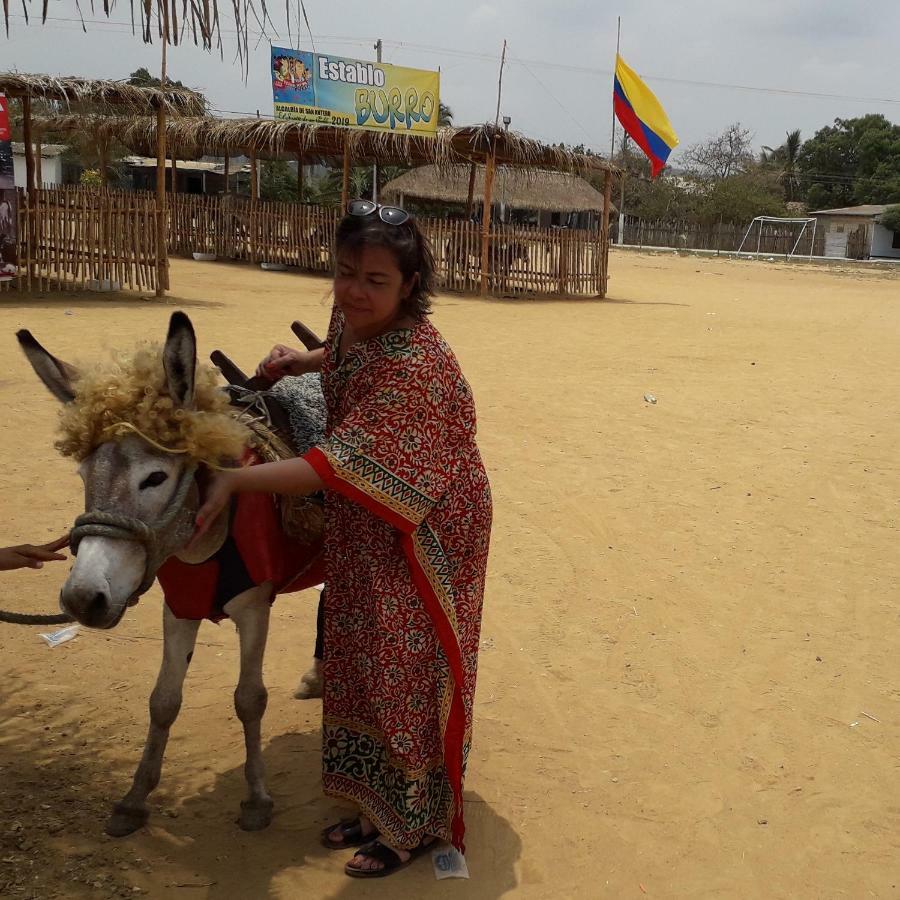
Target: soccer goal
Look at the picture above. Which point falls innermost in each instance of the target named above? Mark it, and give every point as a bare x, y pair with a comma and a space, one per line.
761, 221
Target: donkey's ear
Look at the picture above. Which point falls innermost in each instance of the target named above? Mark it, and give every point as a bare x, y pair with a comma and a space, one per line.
56, 375
180, 359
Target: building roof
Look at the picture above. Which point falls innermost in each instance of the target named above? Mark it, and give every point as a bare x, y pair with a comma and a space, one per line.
149, 162
517, 188
866, 210
48, 151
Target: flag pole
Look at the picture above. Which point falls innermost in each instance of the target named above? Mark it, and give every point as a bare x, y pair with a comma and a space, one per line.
612, 145
620, 236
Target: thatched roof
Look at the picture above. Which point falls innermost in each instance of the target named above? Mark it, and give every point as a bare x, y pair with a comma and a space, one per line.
189, 138
517, 188
98, 92
174, 20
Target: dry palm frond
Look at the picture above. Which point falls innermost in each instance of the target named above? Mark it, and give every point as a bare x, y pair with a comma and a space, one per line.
517, 188
102, 93
173, 18
192, 137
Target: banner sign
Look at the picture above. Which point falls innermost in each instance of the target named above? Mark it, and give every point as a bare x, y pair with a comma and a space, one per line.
332, 90
8, 261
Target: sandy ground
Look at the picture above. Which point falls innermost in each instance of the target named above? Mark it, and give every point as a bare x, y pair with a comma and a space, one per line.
688, 684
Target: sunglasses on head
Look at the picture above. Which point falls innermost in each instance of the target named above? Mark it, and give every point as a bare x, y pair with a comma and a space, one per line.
390, 215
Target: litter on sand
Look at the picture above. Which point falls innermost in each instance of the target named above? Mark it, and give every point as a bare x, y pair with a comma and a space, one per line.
55, 638
449, 863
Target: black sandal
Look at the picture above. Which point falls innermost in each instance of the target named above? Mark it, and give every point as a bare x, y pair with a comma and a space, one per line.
390, 861
352, 832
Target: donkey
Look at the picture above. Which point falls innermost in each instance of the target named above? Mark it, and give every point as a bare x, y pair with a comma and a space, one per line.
141, 501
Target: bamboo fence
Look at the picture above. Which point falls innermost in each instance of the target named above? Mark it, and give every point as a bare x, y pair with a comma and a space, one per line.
79, 239
522, 259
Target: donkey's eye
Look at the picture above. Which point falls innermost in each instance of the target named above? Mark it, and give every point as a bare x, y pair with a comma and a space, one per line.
154, 479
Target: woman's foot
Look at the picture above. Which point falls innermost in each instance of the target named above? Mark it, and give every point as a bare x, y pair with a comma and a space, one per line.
377, 860
348, 833
310, 686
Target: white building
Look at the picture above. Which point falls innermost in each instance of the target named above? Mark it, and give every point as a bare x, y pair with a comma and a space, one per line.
51, 163
856, 231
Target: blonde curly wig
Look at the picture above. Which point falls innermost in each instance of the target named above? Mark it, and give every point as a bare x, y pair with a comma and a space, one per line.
129, 394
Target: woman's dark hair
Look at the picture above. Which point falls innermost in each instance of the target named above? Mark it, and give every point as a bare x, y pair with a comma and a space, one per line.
410, 248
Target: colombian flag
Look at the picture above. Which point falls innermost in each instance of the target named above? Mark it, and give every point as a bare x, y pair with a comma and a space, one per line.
642, 116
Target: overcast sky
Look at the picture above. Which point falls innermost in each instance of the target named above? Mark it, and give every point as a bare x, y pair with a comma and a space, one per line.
557, 85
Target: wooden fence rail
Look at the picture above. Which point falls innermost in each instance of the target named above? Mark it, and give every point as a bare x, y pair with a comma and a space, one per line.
79, 239
523, 259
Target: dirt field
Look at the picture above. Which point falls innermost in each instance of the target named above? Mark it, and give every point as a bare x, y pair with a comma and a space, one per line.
689, 678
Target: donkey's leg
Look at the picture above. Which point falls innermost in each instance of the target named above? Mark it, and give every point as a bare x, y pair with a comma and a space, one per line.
179, 637
250, 613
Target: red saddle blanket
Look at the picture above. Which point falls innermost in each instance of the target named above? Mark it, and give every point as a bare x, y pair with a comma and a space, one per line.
257, 550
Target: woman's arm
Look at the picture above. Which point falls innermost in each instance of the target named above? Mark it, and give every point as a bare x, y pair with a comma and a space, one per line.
290, 476
283, 361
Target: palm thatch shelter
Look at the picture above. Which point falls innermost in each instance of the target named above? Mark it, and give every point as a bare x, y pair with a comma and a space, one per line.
546, 191
451, 151
104, 95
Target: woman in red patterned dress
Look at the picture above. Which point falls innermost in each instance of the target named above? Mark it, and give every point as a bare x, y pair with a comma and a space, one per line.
408, 518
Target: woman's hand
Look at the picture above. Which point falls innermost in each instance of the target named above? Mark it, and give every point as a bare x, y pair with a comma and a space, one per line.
219, 490
283, 361
28, 556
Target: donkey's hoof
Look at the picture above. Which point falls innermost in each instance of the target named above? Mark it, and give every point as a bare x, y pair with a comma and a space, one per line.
255, 814
126, 820
311, 685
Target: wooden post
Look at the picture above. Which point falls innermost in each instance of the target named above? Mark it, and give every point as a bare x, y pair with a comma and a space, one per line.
174, 182
299, 177
37, 160
604, 234
227, 173
470, 202
101, 153
489, 167
29, 146
254, 177
162, 271
563, 261
345, 185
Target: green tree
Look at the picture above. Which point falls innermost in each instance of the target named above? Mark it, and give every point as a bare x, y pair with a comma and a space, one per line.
851, 162
142, 78
890, 218
277, 181
445, 115
740, 198
784, 160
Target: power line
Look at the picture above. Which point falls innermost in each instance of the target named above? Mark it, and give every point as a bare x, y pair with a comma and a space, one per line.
525, 62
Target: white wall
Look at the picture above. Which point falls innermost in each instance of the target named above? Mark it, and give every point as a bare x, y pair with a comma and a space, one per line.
882, 238
51, 169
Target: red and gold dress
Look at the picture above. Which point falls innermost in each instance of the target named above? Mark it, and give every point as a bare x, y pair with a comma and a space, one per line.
407, 529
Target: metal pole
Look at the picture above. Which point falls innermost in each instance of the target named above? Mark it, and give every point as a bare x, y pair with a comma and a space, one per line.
375, 164
612, 143
620, 239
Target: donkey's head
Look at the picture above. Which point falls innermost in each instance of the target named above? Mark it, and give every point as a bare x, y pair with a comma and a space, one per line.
143, 429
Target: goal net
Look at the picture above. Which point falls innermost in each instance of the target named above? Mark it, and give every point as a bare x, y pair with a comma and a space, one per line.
765, 231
